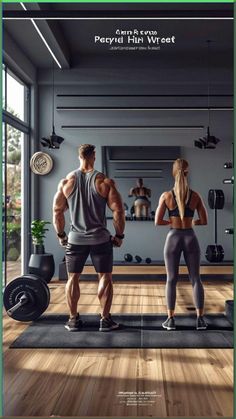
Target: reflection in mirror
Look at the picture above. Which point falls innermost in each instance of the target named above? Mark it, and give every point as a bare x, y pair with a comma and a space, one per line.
141, 175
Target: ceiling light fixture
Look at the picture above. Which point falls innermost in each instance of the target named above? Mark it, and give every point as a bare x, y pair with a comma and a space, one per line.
54, 140
43, 39
9, 15
209, 141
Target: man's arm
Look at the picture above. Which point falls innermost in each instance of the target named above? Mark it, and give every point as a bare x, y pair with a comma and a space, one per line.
131, 192
115, 203
202, 213
59, 207
160, 212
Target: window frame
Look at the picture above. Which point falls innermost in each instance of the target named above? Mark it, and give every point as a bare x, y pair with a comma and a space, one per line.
25, 128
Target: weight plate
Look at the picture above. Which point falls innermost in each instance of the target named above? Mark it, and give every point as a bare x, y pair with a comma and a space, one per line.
44, 284
34, 288
215, 253
216, 199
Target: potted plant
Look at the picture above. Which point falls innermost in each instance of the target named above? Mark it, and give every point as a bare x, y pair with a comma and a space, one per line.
41, 264
38, 231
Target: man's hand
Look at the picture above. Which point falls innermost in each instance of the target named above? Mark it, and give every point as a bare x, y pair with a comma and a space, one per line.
116, 241
63, 242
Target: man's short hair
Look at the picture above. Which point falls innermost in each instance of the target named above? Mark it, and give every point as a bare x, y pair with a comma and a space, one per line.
86, 150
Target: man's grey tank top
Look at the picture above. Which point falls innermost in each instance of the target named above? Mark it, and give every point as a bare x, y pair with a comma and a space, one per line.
87, 211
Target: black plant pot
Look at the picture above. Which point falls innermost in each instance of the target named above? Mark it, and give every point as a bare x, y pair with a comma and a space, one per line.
42, 264
39, 249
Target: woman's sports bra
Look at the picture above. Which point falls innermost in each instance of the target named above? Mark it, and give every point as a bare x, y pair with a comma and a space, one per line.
188, 212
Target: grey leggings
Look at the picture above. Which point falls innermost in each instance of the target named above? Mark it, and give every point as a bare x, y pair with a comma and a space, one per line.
178, 241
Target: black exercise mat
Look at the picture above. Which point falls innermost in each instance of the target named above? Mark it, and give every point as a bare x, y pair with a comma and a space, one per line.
219, 333
136, 331
49, 332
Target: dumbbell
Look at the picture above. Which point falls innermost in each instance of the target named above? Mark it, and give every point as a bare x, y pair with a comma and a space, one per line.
128, 257
138, 259
26, 298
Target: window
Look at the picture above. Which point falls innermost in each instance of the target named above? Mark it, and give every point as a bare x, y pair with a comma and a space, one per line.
16, 200
16, 97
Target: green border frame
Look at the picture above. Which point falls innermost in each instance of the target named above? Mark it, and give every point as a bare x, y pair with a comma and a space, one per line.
1, 238
234, 187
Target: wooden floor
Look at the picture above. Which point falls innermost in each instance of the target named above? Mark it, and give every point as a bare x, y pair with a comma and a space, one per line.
97, 382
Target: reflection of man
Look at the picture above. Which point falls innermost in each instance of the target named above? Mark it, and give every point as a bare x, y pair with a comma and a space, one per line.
141, 203
86, 192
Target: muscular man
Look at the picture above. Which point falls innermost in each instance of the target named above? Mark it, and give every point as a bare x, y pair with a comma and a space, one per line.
141, 203
86, 192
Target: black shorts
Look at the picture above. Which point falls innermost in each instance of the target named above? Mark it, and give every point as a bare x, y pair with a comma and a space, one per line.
101, 255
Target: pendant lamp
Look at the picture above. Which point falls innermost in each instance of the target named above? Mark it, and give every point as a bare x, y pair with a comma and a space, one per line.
54, 140
209, 141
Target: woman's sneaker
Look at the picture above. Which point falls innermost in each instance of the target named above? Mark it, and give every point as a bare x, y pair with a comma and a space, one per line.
74, 324
169, 324
107, 324
200, 323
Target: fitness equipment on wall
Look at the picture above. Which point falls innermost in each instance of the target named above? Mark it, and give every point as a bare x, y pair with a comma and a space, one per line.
229, 181
138, 259
215, 252
26, 298
229, 165
229, 231
128, 257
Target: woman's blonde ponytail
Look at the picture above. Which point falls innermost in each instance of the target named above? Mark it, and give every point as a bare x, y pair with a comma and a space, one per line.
181, 188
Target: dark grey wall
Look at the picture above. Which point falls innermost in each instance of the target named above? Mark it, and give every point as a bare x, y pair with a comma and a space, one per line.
206, 165
181, 71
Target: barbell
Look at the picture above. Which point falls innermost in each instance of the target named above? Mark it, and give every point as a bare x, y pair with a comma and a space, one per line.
26, 298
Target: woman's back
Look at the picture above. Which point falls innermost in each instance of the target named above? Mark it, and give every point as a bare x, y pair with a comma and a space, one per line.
173, 210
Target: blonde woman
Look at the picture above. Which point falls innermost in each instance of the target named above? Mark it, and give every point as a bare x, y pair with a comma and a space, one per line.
181, 203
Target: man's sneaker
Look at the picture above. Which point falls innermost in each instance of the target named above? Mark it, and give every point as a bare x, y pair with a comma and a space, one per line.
74, 324
169, 324
200, 323
107, 324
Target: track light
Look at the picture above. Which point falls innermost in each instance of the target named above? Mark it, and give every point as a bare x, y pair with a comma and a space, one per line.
209, 141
